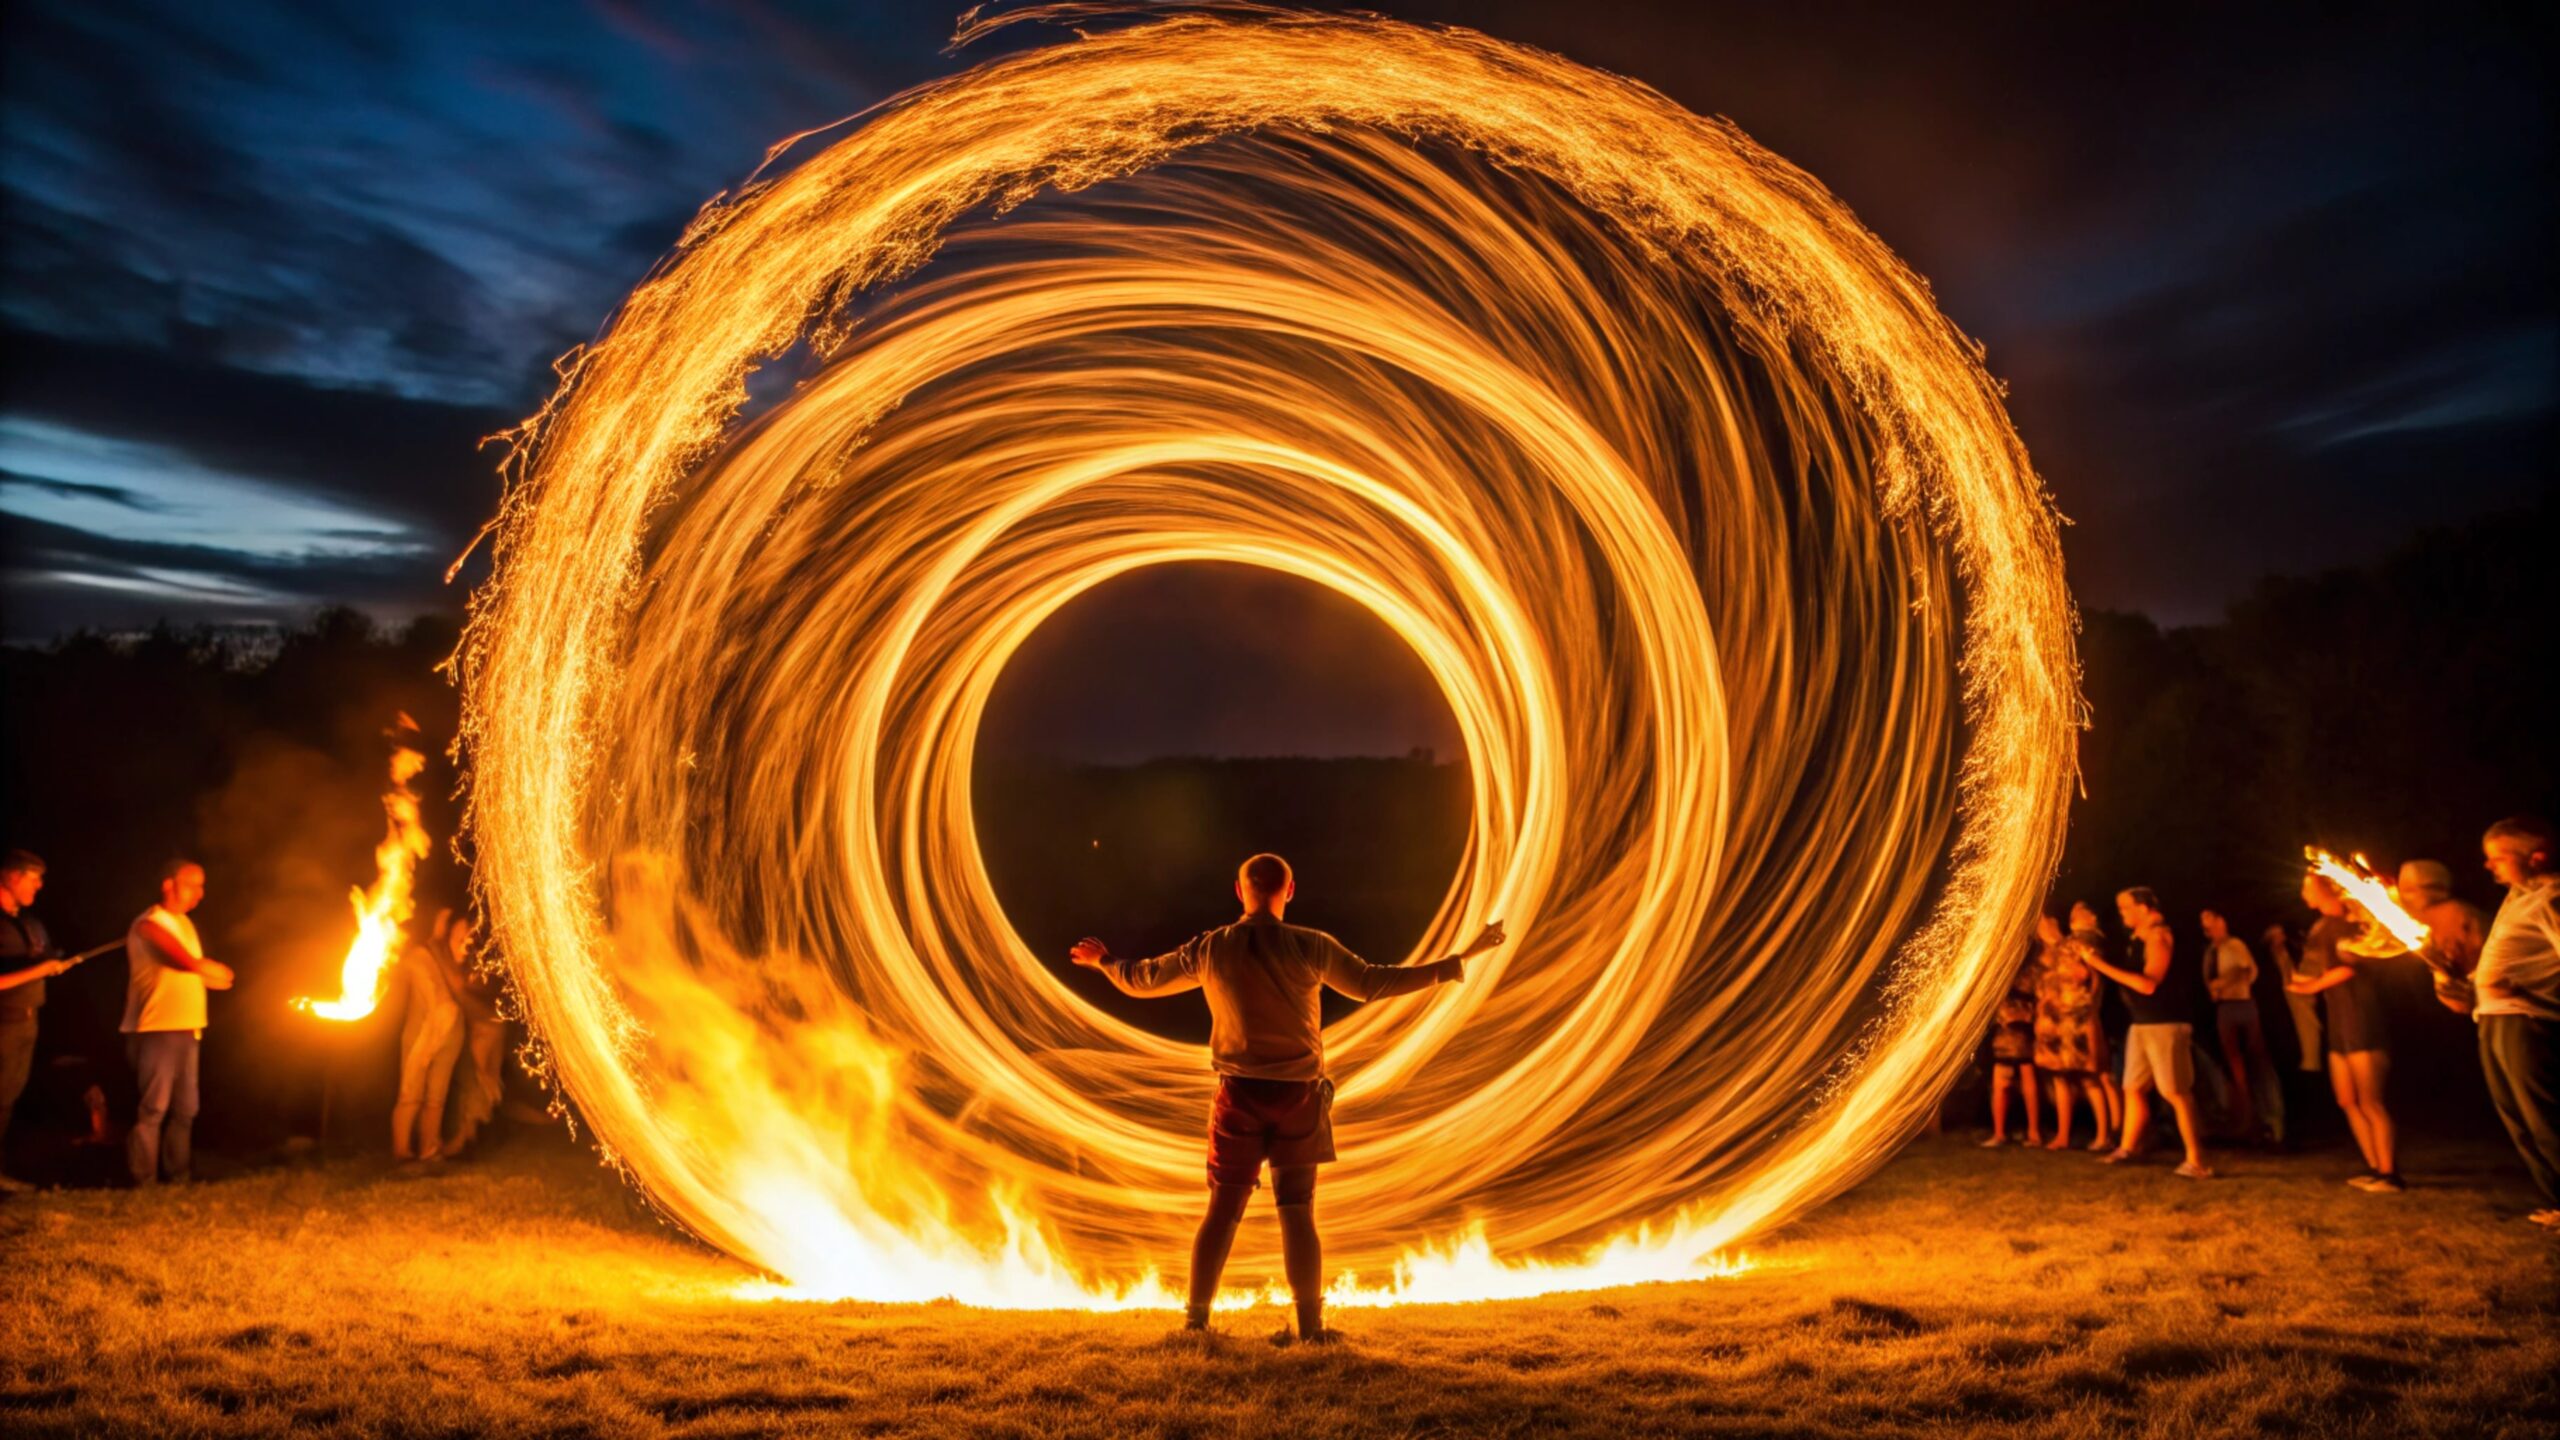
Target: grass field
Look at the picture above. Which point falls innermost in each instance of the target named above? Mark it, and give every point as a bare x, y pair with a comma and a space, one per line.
1959, 1292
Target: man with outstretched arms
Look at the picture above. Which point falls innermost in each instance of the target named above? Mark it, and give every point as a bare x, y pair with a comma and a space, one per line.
1264, 979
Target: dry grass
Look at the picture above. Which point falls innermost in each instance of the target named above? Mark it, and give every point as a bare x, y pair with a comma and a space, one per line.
1959, 1292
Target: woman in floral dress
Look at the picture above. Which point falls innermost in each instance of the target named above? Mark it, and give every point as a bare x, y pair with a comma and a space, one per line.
2070, 1044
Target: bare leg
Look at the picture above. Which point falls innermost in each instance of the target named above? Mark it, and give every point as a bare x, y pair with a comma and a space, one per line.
2235, 1059
2062, 1115
2189, 1133
2137, 1121
2001, 1078
2035, 1104
2097, 1094
2342, 1083
1301, 1249
404, 1127
2115, 1100
1209, 1248
2372, 1071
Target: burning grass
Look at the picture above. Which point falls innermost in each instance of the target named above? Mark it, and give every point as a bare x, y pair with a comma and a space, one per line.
1958, 1292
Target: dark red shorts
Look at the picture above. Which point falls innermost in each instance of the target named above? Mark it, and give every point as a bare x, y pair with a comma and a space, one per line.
1287, 1122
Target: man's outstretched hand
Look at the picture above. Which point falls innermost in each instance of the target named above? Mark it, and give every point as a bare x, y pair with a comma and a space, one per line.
1090, 953
1491, 938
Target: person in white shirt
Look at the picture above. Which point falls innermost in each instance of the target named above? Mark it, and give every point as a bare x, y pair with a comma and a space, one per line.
2515, 995
168, 974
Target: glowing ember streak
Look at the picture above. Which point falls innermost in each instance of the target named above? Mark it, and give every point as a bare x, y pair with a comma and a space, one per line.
2389, 930
384, 908
1712, 530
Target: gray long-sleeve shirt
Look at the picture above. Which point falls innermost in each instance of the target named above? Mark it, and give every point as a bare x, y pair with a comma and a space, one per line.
1264, 979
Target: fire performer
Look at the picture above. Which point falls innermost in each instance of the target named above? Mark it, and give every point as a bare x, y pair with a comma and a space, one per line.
1264, 978
2515, 995
164, 1017
26, 962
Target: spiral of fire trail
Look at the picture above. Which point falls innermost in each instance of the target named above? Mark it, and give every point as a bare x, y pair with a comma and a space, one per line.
1712, 530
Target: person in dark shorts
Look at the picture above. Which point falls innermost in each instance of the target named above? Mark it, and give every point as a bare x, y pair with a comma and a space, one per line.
2358, 1036
1274, 1104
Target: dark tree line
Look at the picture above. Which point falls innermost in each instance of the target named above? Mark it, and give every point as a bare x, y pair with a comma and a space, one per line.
2396, 709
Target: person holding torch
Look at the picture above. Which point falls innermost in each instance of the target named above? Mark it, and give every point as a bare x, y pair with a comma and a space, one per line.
26, 962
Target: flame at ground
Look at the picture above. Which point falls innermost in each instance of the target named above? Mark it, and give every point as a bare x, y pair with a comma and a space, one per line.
382, 908
2389, 929
1712, 530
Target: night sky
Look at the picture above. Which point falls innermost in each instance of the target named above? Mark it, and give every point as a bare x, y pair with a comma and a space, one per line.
2269, 294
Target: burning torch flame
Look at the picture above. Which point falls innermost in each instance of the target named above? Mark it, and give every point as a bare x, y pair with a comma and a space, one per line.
384, 908
2389, 930
1711, 528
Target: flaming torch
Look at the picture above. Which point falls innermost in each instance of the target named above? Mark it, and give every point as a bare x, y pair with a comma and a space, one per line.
382, 909
2389, 930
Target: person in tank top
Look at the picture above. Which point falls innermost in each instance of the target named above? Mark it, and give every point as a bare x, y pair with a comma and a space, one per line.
2158, 1047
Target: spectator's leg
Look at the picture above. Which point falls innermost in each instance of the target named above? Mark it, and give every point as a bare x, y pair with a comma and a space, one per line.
17, 1057
2137, 1120
448, 1049
2061, 1115
2035, 1104
1209, 1248
2520, 1059
2235, 1058
2373, 1073
177, 1136
2342, 1084
414, 1050
154, 1076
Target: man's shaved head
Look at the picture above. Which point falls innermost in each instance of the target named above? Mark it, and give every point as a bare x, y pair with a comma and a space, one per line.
1265, 875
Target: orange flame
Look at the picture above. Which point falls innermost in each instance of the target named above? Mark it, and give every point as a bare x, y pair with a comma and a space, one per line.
382, 909
2388, 929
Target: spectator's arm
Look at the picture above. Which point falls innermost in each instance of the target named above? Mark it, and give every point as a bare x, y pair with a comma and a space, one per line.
2456, 993
166, 949
12, 979
2330, 979
2142, 981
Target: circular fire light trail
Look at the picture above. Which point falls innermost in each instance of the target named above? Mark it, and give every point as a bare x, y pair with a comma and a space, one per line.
1712, 530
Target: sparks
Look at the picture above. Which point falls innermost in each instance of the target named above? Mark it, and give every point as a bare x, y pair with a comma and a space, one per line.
1713, 532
